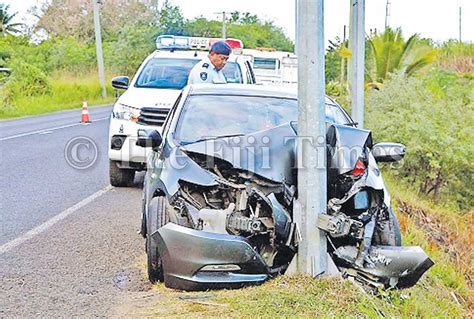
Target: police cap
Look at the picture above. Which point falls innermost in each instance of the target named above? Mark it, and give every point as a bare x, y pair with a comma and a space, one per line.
220, 47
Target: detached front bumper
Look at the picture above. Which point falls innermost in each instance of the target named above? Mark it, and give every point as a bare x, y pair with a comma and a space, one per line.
231, 261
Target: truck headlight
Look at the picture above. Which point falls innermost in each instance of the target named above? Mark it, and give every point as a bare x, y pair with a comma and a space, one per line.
125, 112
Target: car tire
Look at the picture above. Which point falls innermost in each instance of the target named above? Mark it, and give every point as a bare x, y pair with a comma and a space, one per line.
120, 177
158, 216
388, 233
396, 229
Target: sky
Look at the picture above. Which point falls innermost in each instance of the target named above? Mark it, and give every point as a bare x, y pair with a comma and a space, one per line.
436, 19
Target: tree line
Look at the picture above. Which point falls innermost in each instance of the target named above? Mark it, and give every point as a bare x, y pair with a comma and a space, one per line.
63, 36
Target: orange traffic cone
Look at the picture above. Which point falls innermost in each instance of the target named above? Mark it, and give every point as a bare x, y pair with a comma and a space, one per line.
85, 119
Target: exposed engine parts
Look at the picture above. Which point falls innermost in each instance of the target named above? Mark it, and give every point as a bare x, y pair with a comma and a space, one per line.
340, 226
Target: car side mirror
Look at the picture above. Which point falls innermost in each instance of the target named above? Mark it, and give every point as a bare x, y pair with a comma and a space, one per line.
120, 82
149, 138
388, 152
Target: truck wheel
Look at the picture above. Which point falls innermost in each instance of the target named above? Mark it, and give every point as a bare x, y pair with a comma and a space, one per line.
158, 216
120, 177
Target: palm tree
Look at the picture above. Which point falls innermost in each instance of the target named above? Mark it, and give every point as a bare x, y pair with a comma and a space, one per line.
6, 27
389, 52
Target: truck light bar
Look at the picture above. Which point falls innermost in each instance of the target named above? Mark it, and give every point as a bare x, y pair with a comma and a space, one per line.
173, 42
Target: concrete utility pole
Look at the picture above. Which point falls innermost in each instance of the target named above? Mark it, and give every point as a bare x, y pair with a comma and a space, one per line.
460, 24
343, 62
224, 27
224, 23
357, 46
98, 45
296, 27
312, 193
387, 13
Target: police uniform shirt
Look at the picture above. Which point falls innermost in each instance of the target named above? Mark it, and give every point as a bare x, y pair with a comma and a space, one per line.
205, 72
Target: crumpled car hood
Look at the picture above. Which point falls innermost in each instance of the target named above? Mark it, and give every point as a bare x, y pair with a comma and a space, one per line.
270, 153
346, 145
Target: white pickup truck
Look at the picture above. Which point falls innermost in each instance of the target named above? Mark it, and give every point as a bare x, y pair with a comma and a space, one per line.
153, 91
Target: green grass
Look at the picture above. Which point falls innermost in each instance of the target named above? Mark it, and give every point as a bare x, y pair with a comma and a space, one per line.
67, 93
302, 296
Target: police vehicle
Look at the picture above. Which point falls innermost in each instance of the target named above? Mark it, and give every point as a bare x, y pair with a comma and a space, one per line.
272, 67
153, 90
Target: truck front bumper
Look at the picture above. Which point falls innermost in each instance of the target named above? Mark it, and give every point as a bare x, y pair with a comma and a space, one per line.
122, 142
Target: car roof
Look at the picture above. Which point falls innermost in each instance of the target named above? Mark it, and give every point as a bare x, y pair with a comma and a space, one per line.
247, 90
241, 89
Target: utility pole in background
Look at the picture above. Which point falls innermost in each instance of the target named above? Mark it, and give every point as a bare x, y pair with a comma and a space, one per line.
343, 62
98, 45
357, 46
460, 24
387, 13
224, 23
311, 143
296, 27
224, 27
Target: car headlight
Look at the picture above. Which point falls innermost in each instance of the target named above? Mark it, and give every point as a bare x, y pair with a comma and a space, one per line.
125, 112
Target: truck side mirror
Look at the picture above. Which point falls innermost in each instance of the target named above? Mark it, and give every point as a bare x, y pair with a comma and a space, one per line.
120, 82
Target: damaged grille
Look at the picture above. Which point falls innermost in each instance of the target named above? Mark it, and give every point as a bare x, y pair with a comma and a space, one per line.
152, 116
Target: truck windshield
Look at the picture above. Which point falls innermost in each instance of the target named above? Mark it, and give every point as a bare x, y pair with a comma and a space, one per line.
223, 115
168, 73
265, 63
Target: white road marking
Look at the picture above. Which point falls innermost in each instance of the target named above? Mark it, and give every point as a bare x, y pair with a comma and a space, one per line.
47, 130
43, 227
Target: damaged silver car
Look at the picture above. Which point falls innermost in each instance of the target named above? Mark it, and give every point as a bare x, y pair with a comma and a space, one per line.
221, 187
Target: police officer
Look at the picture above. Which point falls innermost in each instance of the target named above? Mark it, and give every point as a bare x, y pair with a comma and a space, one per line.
209, 69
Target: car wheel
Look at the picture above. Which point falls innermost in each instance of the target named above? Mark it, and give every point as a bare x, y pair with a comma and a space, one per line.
396, 229
389, 232
158, 216
120, 177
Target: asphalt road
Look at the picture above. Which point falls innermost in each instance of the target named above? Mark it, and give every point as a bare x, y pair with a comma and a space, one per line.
68, 242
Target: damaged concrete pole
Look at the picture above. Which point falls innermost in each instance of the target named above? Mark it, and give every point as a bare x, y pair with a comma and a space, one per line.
312, 257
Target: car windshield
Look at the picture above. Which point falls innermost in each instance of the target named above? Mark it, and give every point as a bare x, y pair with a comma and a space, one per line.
206, 116
167, 73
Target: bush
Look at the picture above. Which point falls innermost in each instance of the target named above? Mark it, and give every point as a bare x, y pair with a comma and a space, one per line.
125, 55
433, 119
26, 80
456, 56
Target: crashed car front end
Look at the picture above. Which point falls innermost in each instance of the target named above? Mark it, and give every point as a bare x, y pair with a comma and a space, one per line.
232, 219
